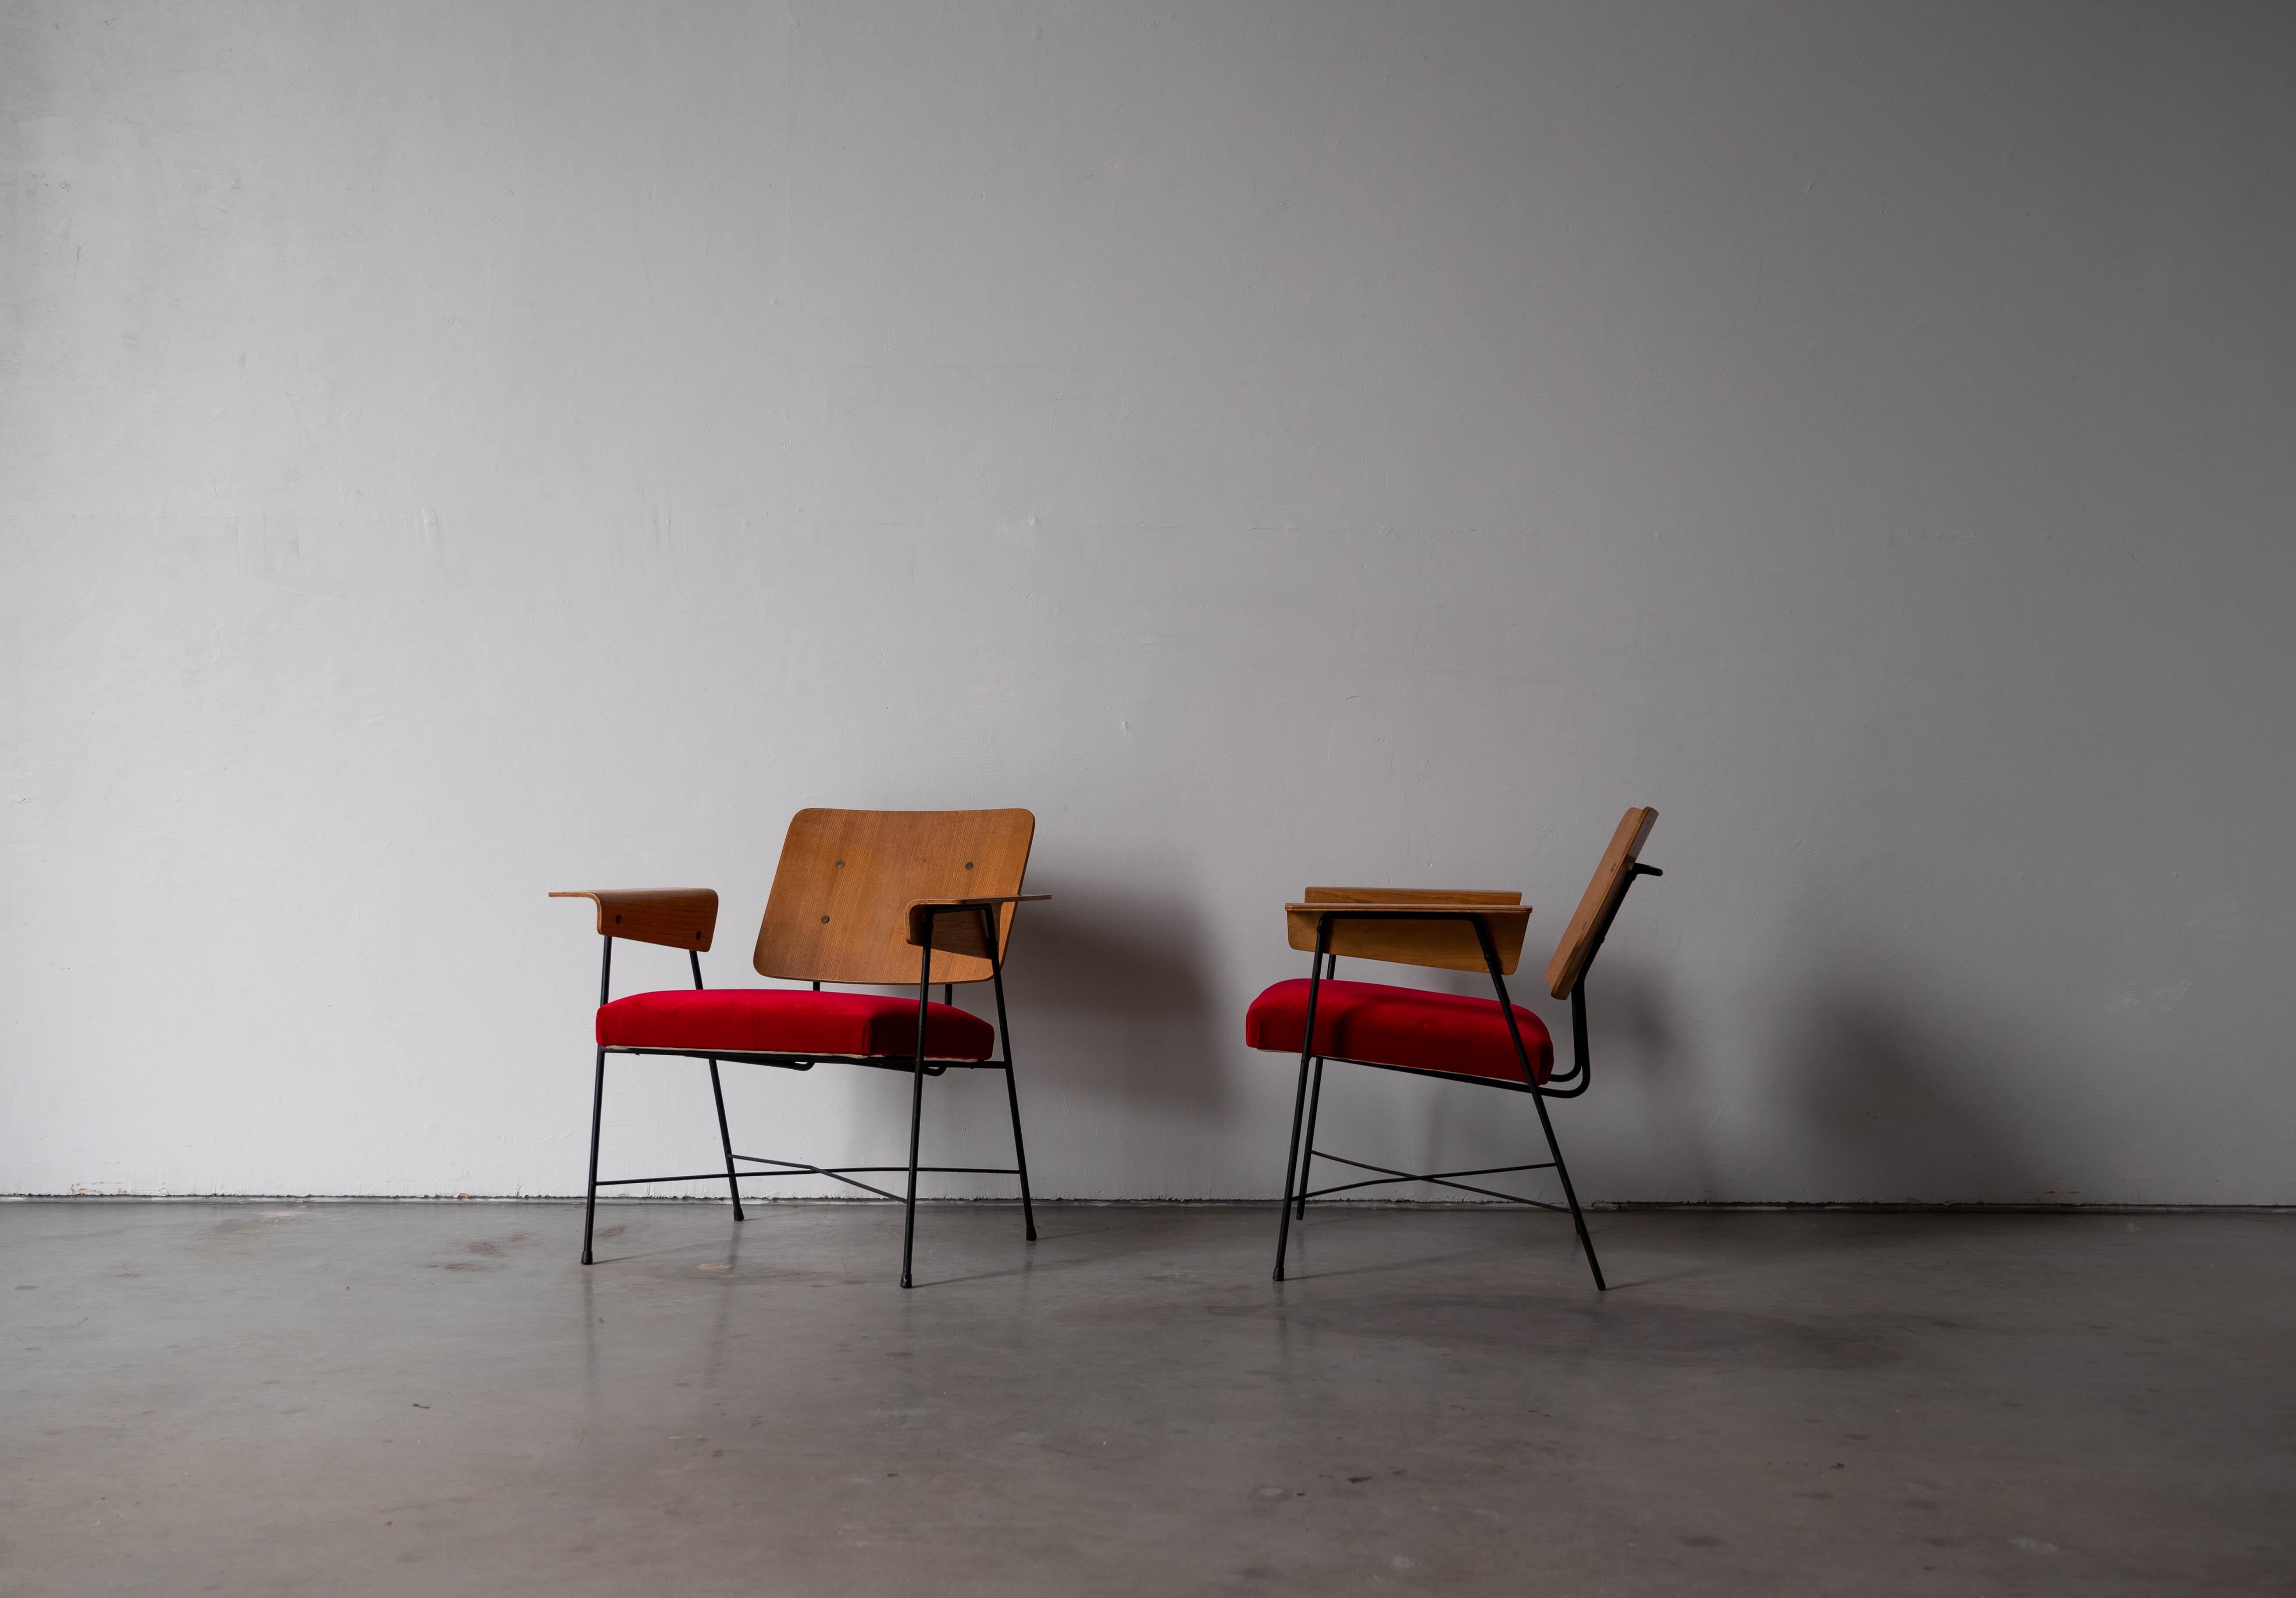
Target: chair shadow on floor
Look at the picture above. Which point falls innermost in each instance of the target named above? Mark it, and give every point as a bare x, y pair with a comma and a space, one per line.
1889, 1107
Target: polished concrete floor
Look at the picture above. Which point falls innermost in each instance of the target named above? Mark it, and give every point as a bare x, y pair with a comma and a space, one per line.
352, 1398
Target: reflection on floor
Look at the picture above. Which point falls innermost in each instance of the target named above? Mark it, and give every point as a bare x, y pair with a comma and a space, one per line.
350, 1398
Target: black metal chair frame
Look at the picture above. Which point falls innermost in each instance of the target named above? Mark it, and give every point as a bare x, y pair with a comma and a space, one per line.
919, 1066
1308, 1098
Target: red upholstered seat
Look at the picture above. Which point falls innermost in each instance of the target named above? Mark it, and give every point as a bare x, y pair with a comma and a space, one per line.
790, 1021
1406, 1027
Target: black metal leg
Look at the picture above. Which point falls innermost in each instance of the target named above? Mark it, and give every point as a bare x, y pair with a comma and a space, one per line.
1331, 969
1307, 1153
717, 1091
597, 1110
1299, 1097
909, 1215
1021, 1155
1290, 1164
1545, 1124
1578, 1219
725, 1142
1013, 1098
917, 1101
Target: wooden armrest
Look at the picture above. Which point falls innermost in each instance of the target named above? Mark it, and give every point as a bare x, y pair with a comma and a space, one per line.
1397, 935
961, 934
1410, 896
683, 918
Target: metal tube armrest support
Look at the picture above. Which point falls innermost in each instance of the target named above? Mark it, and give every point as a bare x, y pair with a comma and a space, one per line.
1582, 1066
976, 935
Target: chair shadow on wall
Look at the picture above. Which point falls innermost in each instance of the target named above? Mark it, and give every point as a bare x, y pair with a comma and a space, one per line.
1110, 995
1635, 1042
1896, 1111
1900, 1112
1131, 970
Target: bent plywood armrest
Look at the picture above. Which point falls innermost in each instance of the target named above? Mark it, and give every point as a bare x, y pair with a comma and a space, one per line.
1413, 926
683, 918
1410, 896
931, 924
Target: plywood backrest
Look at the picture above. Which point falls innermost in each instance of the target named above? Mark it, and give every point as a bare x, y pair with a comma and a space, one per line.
1600, 902
839, 909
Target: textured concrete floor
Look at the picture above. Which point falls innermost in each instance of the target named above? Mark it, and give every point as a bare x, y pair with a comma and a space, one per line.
434, 1398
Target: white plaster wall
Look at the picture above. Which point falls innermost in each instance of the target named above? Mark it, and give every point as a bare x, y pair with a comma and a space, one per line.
453, 451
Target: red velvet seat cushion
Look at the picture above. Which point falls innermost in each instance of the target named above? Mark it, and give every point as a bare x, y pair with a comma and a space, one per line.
790, 1021
1406, 1027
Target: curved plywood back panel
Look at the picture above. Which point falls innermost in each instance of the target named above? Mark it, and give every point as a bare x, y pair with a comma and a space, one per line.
1600, 902
838, 910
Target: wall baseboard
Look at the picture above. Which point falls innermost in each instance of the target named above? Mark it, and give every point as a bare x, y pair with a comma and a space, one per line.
1912, 1207
1613, 1207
